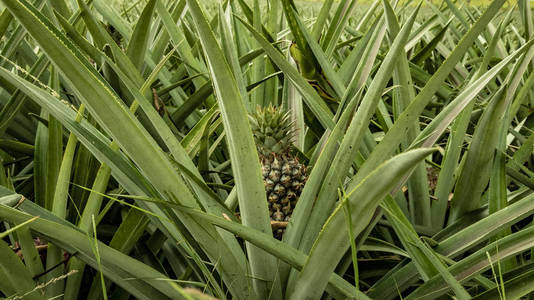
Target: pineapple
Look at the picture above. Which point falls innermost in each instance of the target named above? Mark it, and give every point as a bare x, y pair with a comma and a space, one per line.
283, 175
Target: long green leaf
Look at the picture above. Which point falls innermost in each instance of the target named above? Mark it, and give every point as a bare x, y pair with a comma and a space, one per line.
118, 267
333, 240
396, 134
245, 161
350, 144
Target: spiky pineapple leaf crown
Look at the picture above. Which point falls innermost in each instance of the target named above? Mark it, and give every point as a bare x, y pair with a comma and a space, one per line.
271, 127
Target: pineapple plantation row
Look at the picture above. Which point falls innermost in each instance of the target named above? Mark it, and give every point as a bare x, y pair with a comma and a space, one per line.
247, 149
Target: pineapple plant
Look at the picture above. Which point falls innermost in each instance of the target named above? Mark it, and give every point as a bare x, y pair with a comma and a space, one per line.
284, 176
99, 204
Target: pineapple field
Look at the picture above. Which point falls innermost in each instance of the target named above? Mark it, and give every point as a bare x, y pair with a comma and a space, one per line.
276, 149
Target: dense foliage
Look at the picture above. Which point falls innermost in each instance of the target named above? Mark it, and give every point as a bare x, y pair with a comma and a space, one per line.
182, 149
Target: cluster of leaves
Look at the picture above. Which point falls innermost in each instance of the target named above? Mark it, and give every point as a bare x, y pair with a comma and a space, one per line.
127, 151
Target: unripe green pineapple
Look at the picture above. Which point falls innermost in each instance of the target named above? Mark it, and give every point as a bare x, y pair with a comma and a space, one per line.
283, 175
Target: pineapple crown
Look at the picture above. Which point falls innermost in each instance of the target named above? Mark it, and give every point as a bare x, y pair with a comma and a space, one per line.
271, 127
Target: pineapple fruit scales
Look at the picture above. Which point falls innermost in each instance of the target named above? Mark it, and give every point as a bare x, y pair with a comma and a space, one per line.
283, 175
